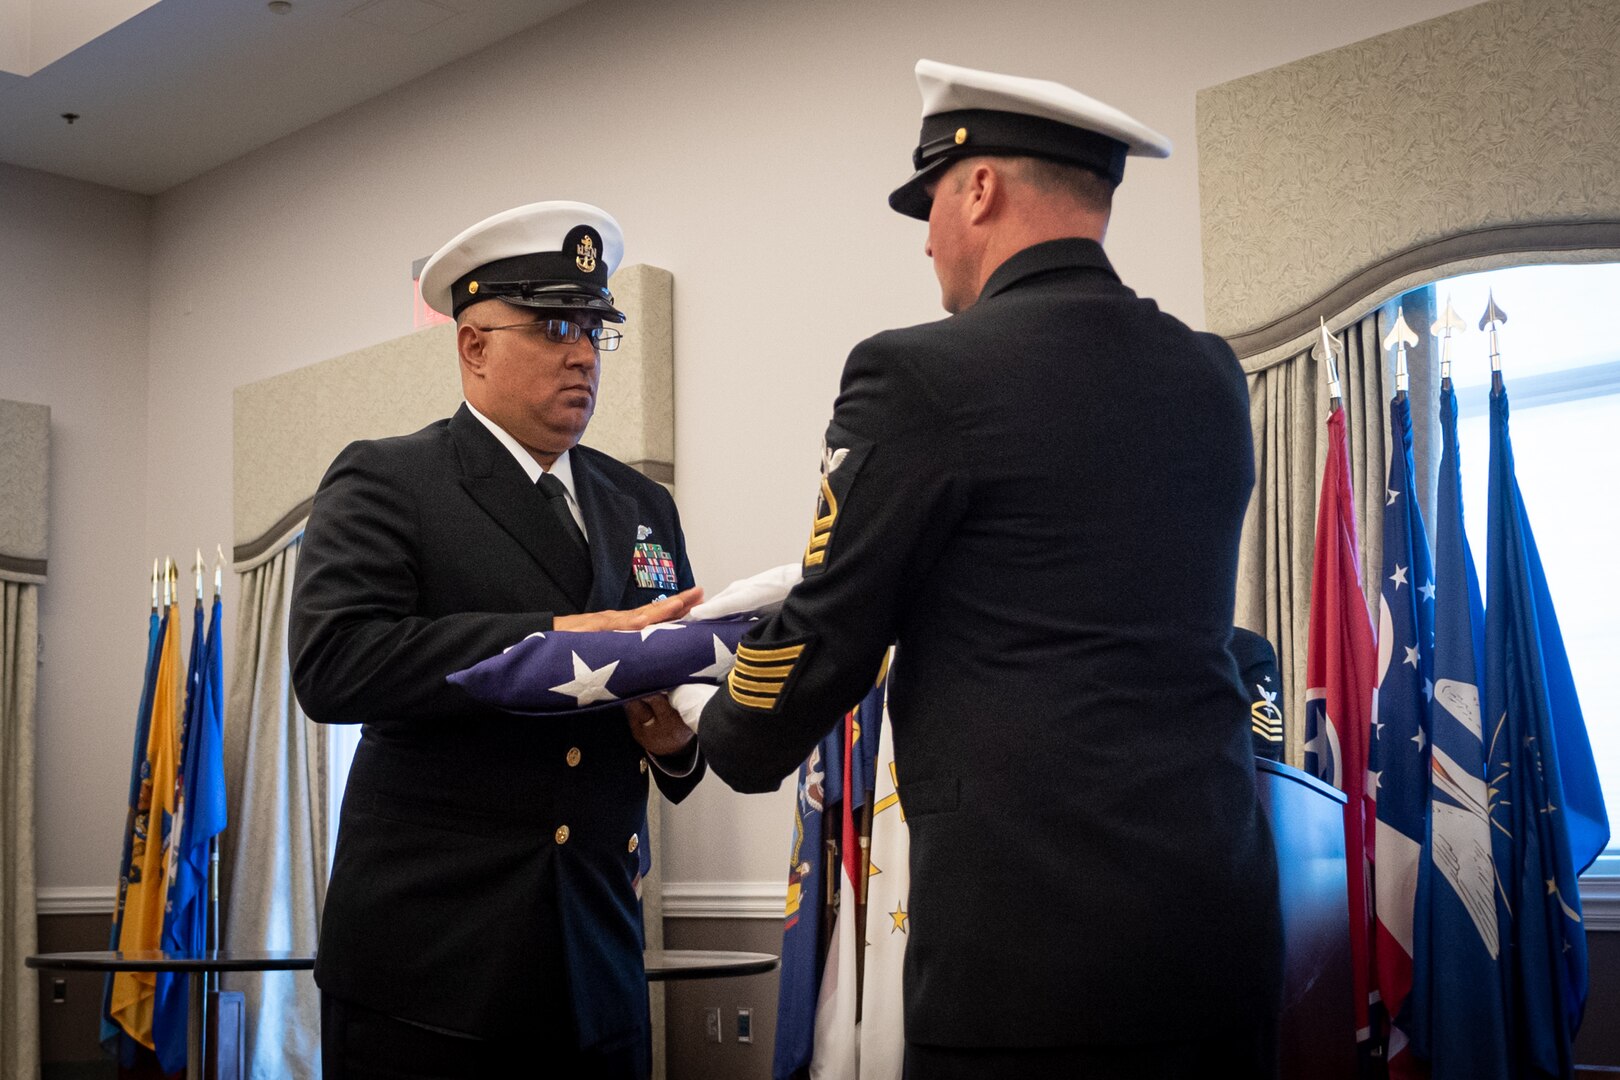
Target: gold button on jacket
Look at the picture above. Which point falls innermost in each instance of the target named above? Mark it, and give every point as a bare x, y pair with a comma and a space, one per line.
562, 834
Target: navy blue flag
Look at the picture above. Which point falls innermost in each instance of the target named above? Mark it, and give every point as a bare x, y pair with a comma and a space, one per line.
1455, 1009
113, 1038
569, 671
1398, 756
201, 817
815, 822
1546, 805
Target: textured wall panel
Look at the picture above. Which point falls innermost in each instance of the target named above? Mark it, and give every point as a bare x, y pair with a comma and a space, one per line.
25, 437
1493, 129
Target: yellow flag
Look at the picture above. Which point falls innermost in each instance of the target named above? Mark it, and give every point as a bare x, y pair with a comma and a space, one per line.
134, 992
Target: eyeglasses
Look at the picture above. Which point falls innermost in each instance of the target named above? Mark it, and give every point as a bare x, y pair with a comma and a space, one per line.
566, 332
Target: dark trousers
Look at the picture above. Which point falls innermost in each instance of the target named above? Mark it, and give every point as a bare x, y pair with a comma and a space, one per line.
1244, 1056
358, 1043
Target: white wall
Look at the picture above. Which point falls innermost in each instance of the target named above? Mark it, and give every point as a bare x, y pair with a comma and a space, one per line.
748, 148
73, 318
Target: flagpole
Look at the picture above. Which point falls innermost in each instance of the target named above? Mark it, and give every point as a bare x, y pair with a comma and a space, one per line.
1400, 338
1332, 351
1493, 317
1448, 324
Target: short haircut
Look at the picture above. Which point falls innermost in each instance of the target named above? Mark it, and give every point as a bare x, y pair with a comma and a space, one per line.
1090, 189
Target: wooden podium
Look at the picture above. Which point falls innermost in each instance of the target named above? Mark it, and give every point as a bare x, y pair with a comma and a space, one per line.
1318, 1038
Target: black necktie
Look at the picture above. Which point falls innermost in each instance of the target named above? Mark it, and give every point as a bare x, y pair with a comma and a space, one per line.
557, 496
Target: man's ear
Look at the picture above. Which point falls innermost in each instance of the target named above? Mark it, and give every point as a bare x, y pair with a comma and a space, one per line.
986, 188
470, 350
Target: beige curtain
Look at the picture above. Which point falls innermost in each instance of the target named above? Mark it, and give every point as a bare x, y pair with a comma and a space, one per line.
276, 856
19, 986
1288, 408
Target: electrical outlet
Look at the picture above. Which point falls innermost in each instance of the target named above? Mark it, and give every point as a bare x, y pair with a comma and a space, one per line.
745, 1025
58, 991
711, 1024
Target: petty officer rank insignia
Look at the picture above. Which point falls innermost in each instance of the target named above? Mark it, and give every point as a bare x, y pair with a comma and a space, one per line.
841, 459
654, 569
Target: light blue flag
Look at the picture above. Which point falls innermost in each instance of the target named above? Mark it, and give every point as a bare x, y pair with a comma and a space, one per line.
1455, 1012
1547, 807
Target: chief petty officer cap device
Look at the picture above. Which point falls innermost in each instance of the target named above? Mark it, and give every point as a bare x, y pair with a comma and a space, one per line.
556, 256
967, 113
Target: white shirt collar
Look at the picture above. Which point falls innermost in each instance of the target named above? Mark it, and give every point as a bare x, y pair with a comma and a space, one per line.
562, 468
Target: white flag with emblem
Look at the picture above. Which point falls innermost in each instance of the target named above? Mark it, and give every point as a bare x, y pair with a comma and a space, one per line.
888, 923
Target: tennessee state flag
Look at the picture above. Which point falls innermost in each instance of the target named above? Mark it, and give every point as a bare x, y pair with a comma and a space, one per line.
1340, 675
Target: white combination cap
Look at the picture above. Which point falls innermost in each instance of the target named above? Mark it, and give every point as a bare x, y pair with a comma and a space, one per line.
543, 255
967, 112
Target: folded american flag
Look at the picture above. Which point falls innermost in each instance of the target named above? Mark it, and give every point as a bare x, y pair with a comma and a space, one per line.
570, 671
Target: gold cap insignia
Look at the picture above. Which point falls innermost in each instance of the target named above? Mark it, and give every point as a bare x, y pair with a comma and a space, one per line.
961, 136
585, 254
472, 287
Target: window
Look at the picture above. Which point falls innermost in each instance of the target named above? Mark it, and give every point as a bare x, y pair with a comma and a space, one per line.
1561, 366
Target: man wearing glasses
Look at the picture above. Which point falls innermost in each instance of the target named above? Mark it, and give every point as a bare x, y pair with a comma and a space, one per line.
484, 902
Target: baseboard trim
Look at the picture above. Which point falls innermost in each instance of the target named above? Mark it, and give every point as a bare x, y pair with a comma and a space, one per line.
76, 900
724, 899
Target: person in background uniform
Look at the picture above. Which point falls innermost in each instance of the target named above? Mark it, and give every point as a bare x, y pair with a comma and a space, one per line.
484, 903
1039, 498
1257, 667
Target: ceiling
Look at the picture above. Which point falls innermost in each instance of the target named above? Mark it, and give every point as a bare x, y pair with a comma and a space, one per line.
181, 86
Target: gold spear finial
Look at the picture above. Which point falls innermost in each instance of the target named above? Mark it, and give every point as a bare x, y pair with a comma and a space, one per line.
1448, 324
1400, 338
1332, 353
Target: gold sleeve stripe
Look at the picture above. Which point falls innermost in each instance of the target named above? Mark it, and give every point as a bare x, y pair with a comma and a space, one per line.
750, 700
768, 656
763, 671
741, 683
814, 558
819, 541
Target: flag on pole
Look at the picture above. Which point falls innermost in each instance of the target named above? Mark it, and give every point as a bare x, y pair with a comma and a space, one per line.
1339, 680
199, 817
820, 788
837, 1054
111, 1034
1546, 805
1455, 1010
133, 993
1398, 753
888, 903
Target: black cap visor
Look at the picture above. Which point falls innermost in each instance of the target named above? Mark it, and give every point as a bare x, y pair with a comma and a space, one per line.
961, 133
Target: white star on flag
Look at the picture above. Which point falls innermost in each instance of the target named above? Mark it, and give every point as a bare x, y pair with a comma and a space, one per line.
648, 631
1428, 689
1399, 576
1373, 779
724, 659
1411, 654
1393, 495
1420, 740
1427, 591
588, 686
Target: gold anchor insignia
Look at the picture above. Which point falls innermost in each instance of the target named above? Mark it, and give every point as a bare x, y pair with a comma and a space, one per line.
585, 254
